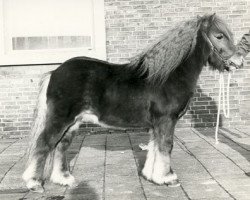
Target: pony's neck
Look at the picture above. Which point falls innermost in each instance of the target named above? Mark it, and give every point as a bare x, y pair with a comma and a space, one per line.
165, 55
193, 66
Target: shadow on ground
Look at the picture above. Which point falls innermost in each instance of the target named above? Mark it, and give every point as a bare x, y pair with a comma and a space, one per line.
241, 148
82, 192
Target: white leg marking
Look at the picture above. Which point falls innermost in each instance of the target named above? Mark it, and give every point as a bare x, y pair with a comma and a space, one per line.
61, 177
35, 186
29, 173
161, 167
28, 177
149, 163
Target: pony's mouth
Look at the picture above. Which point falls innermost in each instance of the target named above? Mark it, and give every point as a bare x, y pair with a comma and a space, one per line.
231, 66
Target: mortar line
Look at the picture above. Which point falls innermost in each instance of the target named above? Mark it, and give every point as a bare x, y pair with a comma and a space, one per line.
242, 131
198, 134
191, 154
184, 191
137, 166
12, 167
9, 146
233, 141
221, 133
14, 163
104, 172
25, 194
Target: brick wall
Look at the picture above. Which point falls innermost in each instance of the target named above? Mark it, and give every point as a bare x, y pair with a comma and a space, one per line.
18, 95
130, 26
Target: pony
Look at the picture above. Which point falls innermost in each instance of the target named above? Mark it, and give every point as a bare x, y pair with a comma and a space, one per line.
152, 90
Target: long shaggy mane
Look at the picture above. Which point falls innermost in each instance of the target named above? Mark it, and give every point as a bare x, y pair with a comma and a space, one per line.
159, 59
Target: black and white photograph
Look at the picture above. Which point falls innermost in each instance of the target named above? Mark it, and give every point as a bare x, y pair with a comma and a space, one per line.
124, 100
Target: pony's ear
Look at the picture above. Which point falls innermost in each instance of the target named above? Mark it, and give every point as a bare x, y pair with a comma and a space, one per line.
212, 17
200, 20
207, 20
198, 17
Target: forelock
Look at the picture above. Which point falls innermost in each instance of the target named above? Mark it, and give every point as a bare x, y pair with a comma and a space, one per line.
223, 27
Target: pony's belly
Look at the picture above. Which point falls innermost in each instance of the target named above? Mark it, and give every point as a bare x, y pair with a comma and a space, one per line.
108, 122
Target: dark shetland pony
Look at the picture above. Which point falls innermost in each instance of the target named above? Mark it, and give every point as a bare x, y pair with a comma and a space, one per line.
153, 90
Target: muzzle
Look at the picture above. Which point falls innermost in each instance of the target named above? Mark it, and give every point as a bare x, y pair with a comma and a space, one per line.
225, 61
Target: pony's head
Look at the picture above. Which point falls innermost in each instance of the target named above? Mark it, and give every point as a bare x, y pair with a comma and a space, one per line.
219, 40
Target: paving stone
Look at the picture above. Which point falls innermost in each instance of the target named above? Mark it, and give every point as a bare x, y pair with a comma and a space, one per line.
242, 196
207, 189
125, 197
94, 140
119, 151
43, 196
11, 196
190, 172
118, 140
87, 196
168, 198
123, 186
12, 182
234, 133
140, 157
242, 141
121, 177
153, 191
218, 167
233, 151
187, 135
229, 183
108, 164
3, 146
244, 129
137, 139
218, 198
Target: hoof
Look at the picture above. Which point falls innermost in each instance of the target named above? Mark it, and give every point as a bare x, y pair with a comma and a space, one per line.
35, 186
146, 174
174, 183
143, 147
169, 179
65, 179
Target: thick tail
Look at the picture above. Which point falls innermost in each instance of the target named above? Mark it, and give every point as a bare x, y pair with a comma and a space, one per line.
39, 114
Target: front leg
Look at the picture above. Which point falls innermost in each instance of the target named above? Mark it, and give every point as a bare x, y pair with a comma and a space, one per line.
157, 167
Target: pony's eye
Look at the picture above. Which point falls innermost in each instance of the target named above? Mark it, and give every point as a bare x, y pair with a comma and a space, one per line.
219, 37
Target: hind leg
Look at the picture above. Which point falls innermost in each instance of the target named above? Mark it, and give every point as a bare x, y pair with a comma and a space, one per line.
33, 175
60, 172
45, 142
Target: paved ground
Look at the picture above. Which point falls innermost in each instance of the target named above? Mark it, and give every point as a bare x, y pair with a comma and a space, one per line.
107, 166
